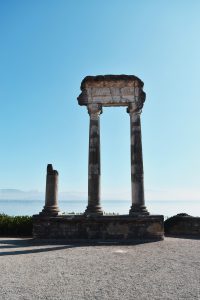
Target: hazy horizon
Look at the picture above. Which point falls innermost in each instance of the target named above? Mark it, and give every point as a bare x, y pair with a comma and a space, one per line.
15, 194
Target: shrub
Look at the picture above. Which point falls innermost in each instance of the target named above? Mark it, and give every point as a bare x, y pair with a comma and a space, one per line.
173, 221
15, 226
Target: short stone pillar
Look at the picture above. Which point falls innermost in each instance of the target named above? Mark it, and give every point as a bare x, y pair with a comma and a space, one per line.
51, 197
137, 182
94, 165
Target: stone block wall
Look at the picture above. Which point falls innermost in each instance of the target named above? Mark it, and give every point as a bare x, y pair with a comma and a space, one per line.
123, 228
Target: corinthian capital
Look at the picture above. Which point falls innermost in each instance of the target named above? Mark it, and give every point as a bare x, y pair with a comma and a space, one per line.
94, 110
136, 106
134, 109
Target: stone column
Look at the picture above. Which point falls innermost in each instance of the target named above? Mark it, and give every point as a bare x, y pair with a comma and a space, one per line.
138, 203
51, 197
94, 167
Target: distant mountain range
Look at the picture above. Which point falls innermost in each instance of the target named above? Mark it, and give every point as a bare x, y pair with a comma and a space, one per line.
15, 194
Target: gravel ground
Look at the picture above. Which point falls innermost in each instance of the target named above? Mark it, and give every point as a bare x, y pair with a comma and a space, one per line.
168, 269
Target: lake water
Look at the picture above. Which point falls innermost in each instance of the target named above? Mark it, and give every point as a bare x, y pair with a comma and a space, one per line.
166, 208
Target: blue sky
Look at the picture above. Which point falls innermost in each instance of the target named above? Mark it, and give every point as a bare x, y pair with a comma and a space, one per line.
47, 47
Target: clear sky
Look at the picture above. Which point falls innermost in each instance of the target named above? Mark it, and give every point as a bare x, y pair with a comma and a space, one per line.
48, 46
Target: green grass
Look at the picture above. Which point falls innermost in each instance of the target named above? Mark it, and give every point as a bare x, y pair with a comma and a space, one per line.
15, 226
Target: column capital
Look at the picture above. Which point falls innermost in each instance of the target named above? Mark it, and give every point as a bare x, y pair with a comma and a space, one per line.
94, 110
133, 109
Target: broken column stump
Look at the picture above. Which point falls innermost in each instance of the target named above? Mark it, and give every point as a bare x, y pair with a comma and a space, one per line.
51, 197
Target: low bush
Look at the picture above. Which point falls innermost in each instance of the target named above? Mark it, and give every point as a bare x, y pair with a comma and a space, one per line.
173, 221
15, 226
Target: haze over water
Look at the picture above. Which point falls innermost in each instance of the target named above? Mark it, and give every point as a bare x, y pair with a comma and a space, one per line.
166, 208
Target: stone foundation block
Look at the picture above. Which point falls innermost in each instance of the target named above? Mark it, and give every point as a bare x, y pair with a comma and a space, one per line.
105, 228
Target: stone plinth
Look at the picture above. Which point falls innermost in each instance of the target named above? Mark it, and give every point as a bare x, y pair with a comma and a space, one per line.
104, 228
183, 225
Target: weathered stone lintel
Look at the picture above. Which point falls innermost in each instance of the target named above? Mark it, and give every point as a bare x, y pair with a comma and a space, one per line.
110, 100
119, 228
111, 90
111, 80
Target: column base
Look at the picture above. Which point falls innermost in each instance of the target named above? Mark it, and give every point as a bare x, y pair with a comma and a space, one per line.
50, 211
138, 210
93, 210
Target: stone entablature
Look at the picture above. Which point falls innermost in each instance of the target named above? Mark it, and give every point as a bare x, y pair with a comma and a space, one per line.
112, 90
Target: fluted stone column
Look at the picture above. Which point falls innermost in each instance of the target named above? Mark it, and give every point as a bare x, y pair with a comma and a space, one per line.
138, 203
94, 167
51, 197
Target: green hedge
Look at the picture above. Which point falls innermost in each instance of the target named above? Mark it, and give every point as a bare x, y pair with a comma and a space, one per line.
15, 226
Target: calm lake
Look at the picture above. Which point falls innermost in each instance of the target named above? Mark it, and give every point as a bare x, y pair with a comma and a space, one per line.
166, 208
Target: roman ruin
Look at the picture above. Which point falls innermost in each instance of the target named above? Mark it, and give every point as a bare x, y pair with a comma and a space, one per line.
98, 92
114, 90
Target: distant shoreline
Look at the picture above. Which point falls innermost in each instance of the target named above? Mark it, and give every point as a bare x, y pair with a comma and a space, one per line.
34, 206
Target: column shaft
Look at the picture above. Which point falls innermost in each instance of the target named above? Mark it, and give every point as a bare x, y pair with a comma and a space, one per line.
137, 183
94, 167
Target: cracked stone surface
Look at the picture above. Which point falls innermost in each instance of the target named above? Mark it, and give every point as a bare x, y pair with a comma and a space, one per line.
163, 270
112, 90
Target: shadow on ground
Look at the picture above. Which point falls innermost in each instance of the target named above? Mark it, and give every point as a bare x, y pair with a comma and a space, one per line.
187, 237
28, 246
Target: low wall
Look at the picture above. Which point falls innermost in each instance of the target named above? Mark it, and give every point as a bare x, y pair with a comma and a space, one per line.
182, 225
121, 228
